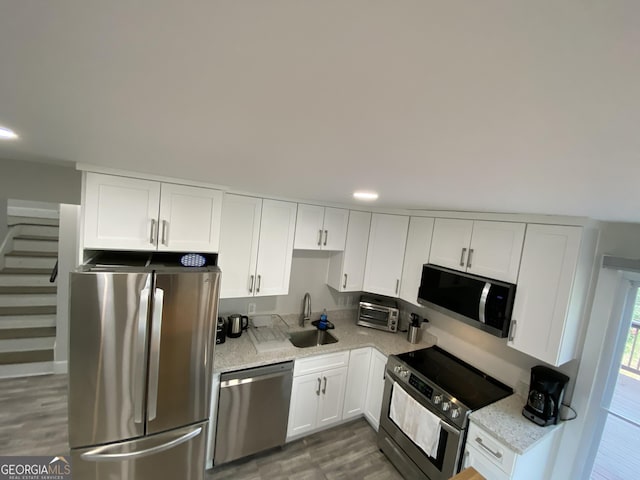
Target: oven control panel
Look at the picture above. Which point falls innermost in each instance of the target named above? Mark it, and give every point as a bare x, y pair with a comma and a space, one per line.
435, 399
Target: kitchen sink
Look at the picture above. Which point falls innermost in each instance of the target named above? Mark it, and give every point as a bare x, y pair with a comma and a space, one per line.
311, 338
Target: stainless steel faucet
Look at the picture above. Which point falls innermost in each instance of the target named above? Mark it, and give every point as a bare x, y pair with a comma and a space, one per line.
306, 309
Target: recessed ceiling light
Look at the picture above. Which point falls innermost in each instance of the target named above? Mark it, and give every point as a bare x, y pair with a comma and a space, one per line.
7, 134
365, 195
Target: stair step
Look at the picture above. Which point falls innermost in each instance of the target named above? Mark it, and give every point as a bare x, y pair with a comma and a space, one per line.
32, 254
28, 262
18, 219
25, 280
27, 311
27, 321
26, 271
38, 231
21, 244
28, 369
28, 299
27, 344
27, 289
15, 333
11, 358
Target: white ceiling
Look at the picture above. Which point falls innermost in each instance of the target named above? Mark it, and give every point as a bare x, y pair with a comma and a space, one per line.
498, 105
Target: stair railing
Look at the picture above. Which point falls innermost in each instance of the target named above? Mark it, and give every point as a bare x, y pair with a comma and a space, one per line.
54, 273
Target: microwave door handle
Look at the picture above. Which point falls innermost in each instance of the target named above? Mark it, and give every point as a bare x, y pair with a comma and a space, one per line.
483, 302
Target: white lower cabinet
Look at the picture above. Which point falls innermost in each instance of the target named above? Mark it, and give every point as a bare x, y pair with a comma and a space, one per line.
357, 382
375, 388
317, 394
495, 460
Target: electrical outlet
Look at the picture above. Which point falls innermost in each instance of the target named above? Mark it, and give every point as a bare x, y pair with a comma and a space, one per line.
252, 309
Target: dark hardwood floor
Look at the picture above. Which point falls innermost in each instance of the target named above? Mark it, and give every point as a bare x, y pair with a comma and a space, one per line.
33, 421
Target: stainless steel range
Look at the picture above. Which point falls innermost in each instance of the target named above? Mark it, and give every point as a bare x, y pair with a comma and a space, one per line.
439, 392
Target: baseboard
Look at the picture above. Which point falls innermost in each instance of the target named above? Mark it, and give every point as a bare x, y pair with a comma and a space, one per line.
61, 367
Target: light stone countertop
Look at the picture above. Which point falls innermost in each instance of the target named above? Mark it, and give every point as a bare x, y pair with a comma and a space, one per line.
503, 420
240, 353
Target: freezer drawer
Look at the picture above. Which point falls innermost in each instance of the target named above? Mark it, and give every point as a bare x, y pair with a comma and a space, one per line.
177, 454
253, 410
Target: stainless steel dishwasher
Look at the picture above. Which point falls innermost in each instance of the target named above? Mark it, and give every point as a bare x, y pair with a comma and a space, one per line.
253, 410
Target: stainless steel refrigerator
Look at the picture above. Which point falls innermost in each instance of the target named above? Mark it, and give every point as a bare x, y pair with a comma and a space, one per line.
140, 368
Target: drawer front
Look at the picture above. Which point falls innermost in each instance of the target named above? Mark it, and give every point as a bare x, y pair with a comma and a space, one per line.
319, 363
491, 449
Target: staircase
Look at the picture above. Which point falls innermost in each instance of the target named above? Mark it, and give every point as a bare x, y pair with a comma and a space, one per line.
27, 298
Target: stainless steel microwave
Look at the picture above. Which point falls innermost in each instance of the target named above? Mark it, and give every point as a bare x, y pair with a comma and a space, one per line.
378, 312
480, 302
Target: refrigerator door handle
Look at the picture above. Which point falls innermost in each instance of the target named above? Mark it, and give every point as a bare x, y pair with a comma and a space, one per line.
154, 353
141, 340
101, 454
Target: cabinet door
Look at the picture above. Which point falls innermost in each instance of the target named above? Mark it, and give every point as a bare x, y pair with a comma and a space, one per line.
385, 255
331, 404
450, 244
335, 228
238, 254
346, 269
120, 212
473, 458
495, 250
547, 270
375, 388
416, 255
275, 247
189, 218
303, 410
357, 380
309, 227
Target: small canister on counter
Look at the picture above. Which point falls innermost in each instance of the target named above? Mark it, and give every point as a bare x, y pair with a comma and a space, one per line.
413, 332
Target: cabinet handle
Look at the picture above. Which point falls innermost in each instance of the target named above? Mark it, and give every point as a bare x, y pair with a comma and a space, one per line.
464, 250
512, 330
318, 390
344, 285
251, 286
326, 236
259, 282
324, 389
319, 237
397, 285
492, 452
152, 239
164, 232
469, 258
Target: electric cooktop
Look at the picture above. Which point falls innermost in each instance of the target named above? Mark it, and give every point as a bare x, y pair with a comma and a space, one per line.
460, 380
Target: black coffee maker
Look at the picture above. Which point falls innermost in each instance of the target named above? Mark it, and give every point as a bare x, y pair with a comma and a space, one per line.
546, 391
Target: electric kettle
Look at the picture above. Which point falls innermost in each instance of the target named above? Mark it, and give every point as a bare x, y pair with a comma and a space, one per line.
236, 323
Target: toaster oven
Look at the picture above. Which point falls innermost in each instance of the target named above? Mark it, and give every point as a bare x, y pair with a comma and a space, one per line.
378, 312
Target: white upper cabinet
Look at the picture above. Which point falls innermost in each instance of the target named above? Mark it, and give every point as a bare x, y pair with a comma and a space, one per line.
320, 228
189, 218
256, 246
238, 256
346, 269
552, 287
134, 214
385, 254
416, 255
485, 248
275, 248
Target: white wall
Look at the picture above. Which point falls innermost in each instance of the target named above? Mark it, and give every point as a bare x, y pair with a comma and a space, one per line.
39, 182
67, 261
308, 274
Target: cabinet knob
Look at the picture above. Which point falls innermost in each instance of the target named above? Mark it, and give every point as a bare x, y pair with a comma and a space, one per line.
152, 238
319, 237
469, 258
512, 330
344, 285
326, 236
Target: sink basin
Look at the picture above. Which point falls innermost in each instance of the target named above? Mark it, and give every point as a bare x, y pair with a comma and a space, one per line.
311, 338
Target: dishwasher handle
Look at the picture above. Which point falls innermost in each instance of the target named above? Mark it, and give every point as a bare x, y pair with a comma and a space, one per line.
254, 374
